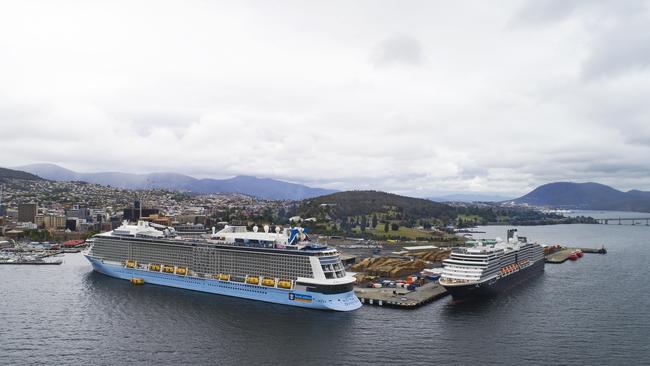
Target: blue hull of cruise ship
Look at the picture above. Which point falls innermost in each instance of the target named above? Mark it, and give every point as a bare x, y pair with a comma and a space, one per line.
340, 302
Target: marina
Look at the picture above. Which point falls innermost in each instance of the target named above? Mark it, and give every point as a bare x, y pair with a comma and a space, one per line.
30, 257
30, 262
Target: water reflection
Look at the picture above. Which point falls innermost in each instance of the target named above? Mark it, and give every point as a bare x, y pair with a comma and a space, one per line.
72, 315
208, 318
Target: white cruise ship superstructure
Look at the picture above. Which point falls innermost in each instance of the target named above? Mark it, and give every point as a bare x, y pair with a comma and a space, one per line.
280, 266
488, 268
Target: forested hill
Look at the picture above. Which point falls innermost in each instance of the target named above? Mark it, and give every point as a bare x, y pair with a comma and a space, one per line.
357, 203
17, 174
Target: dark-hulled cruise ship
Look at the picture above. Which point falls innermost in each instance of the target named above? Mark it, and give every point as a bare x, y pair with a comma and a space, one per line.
486, 269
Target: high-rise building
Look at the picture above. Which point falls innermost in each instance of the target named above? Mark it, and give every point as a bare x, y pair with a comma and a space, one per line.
3, 208
39, 220
27, 212
78, 212
53, 221
133, 213
71, 224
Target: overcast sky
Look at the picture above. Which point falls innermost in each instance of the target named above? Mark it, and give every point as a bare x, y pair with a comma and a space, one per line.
418, 98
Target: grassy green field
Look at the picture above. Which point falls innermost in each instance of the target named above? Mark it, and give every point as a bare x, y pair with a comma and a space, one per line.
403, 231
469, 217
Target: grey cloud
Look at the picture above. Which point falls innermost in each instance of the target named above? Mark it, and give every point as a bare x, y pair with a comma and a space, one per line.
619, 32
545, 11
542, 12
626, 48
400, 49
231, 93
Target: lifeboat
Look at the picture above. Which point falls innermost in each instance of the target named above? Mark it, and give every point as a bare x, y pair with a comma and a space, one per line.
270, 282
137, 281
224, 277
154, 267
284, 284
579, 253
573, 256
168, 269
253, 280
131, 264
181, 271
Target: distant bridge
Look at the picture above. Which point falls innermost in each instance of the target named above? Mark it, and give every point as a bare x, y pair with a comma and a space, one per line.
625, 220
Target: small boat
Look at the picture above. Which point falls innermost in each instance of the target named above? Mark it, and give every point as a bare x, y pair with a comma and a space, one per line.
286, 284
579, 253
270, 282
573, 256
253, 280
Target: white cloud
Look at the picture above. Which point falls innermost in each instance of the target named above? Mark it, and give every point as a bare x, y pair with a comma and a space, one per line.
468, 96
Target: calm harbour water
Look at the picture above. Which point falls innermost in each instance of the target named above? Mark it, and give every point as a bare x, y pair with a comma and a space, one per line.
589, 312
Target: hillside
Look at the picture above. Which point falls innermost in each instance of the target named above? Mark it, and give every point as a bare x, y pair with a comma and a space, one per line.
357, 203
587, 196
17, 174
470, 197
258, 187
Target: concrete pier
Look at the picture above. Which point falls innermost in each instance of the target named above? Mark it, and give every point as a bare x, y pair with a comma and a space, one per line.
402, 298
560, 256
563, 254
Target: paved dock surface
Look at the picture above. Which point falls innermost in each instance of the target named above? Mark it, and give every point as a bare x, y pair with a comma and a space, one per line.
562, 255
402, 297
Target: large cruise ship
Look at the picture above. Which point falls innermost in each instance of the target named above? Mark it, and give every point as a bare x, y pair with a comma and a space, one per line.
491, 266
281, 267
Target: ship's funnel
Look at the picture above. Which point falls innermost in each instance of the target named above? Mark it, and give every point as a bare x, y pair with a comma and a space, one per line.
214, 230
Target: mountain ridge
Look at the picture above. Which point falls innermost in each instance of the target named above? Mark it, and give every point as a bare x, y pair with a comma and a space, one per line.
265, 188
469, 197
588, 196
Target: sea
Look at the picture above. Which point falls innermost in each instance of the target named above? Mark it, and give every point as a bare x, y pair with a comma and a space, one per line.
590, 312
